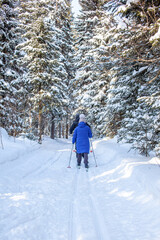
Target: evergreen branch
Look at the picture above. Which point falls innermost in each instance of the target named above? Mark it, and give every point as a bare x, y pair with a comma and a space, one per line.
138, 59
154, 77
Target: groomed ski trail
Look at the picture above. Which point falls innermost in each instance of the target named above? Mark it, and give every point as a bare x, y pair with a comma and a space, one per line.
72, 225
105, 219
40, 198
86, 221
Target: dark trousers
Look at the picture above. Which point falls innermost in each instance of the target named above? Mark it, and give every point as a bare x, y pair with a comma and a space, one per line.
79, 158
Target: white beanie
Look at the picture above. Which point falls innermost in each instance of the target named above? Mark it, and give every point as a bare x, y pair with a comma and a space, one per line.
82, 118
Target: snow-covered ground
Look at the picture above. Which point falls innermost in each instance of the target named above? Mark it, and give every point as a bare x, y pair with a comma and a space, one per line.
42, 199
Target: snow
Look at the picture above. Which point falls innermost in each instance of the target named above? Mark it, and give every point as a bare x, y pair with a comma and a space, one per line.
9, 72
40, 198
75, 7
124, 7
131, 1
1, 63
142, 69
156, 36
122, 22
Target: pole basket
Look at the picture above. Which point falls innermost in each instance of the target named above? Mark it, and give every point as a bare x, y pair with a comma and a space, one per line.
69, 167
74, 150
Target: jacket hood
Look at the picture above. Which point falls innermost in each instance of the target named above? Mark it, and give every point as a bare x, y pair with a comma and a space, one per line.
82, 124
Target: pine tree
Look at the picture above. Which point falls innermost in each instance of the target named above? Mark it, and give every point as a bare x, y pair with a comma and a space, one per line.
146, 121
48, 53
139, 57
11, 83
44, 60
86, 65
63, 19
100, 72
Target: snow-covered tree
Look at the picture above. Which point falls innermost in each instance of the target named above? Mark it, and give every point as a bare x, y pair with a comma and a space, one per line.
88, 93
47, 74
11, 83
138, 74
63, 19
101, 75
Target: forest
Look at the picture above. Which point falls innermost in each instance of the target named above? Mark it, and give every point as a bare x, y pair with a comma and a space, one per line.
104, 63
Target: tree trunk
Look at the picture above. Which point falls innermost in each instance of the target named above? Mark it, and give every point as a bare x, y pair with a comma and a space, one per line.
63, 129
60, 128
30, 121
40, 123
67, 127
52, 127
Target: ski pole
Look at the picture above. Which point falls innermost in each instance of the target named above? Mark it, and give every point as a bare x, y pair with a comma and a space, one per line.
93, 153
70, 157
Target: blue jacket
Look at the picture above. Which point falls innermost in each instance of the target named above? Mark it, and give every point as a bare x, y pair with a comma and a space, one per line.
81, 136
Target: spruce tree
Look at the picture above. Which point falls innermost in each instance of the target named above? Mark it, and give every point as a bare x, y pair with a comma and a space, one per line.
11, 82
100, 72
63, 20
87, 68
43, 57
135, 47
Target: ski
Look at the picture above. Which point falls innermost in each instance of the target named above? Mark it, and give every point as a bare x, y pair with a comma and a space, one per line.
79, 167
86, 167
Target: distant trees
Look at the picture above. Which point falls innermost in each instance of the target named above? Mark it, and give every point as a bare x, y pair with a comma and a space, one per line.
106, 66
118, 70
36, 66
89, 89
46, 54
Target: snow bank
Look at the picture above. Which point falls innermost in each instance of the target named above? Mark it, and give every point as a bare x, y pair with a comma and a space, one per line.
12, 148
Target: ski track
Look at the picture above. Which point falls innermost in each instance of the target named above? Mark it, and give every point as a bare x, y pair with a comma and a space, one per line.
72, 225
100, 225
85, 223
83, 206
125, 206
27, 184
38, 189
105, 225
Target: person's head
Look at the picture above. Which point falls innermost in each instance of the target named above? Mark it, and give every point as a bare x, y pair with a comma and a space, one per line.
77, 117
82, 118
